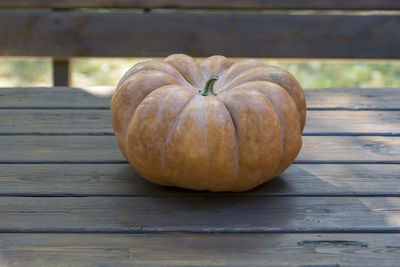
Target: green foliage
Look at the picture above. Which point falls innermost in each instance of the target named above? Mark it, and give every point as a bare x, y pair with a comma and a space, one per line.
100, 71
25, 72
107, 72
321, 75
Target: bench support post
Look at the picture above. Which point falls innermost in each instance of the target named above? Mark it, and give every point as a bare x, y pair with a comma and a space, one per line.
61, 72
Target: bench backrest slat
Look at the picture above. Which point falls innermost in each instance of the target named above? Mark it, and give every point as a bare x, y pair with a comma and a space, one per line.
74, 34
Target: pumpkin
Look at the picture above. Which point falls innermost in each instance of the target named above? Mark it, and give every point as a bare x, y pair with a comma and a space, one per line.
217, 126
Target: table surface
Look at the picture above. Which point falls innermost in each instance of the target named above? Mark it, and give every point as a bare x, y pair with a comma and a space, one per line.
68, 196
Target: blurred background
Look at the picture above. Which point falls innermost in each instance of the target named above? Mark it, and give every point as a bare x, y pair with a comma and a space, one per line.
94, 72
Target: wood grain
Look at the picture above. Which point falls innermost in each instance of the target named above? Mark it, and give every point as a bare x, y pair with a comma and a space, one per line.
242, 4
71, 98
352, 122
353, 98
104, 149
56, 121
122, 180
199, 249
199, 214
98, 122
349, 149
318, 214
122, 34
53, 98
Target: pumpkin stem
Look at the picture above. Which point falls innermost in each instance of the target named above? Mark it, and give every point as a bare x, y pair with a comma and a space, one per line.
208, 88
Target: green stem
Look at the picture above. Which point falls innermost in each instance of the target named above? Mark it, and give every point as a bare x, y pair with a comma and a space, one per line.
208, 88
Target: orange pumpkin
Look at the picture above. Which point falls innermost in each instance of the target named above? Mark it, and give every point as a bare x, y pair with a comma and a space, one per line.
217, 126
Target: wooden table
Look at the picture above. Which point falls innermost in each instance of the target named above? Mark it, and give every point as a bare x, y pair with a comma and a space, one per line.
68, 197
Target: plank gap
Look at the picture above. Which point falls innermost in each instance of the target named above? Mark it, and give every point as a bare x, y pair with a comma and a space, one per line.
150, 230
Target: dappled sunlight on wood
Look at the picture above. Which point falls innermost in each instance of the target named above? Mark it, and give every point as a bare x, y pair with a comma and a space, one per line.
99, 91
3, 261
389, 208
70, 197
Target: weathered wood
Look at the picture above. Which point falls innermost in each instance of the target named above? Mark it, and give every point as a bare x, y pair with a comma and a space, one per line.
352, 122
54, 97
199, 249
112, 198
241, 4
199, 214
353, 98
92, 149
64, 97
122, 180
31, 121
71, 34
98, 122
349, 149
61, 72
104, 149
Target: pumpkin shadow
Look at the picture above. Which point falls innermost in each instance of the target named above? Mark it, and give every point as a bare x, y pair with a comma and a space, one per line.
177, 209
258, 210
283, 205
128, 182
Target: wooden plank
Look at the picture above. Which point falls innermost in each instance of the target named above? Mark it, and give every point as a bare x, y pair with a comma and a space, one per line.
122, 180
352, 122
98, 122
56, 121
70, 98
93, 149
200, 214
104, 149
200, 249
353, 98
241, 4
61, 72
54, 97
74, 34
349, 149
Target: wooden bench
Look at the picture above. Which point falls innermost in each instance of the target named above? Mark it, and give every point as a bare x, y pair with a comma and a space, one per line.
68, 197
146, 28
